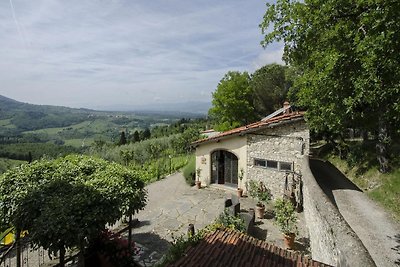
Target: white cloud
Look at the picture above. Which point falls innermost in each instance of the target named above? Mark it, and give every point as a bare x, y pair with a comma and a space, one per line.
95, 52
273, 55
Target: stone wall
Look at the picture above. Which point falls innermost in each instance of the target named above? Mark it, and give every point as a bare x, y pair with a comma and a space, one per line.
332, 240
287, 142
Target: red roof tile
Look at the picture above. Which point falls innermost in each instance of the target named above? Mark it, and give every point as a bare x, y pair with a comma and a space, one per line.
253, 126
225, 247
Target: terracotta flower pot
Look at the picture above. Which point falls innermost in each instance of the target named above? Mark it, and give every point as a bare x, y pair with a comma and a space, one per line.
240, 192
289, 240
198, 184
260, 211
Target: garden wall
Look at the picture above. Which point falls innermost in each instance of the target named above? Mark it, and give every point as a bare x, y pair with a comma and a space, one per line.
332, 240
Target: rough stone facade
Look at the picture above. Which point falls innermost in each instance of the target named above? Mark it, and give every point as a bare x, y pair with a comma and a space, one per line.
286, 142
332, 240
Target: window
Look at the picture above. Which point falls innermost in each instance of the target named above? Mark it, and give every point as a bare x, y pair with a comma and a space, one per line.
259, 162
285, 166
272, 164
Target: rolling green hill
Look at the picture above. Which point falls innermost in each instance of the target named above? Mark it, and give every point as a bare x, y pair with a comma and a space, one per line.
28, 123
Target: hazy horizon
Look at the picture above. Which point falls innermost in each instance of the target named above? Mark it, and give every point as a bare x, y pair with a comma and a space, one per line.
97, 53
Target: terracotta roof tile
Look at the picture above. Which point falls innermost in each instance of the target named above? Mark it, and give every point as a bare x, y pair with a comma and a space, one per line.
253, 126
225, 247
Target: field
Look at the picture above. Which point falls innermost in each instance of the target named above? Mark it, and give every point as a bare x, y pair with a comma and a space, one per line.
5, 164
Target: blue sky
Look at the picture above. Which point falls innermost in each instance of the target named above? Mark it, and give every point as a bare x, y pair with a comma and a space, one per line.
101, 53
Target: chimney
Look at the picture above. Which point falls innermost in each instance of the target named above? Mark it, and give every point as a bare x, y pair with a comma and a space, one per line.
286, 106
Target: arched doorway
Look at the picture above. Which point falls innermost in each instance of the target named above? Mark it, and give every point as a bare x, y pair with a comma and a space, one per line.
224, 168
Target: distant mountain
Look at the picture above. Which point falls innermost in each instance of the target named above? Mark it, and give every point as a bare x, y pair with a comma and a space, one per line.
17, 117
26, 117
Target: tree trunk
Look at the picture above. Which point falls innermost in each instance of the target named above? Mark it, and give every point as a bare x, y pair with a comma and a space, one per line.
81, 255
130, 233
62, 257
18, 246
382, 146
364, 134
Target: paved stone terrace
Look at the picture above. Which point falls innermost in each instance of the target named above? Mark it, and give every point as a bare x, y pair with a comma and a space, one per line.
173, 205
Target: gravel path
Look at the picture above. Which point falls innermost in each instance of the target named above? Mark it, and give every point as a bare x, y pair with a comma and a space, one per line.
377, 231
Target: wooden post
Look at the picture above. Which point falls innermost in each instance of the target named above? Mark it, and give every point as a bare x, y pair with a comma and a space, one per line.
191, 230
18, 246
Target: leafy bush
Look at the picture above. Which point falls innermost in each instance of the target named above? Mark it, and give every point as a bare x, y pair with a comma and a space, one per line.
285, 217
231, 222
190, 170
181, 243
259, 191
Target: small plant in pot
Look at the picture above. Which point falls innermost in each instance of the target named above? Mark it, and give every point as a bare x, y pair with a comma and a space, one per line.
286, 220
260, 192
240, 190
198, 182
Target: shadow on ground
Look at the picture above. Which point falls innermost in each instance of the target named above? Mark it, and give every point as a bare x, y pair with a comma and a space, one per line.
143, 242
302, 245
329, 178
397, 247
257, 232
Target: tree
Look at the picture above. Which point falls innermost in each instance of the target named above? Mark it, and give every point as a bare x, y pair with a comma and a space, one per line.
270, 86
345, 51
65, 202
146, 134
122, 139
136, 137
232, 102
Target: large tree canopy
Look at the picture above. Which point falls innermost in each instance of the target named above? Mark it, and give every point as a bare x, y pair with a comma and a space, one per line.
232, 101
347, 52
269, 87
66, 201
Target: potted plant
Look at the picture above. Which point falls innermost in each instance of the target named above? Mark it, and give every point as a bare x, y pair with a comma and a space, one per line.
240, 190
198, 182
285, 219
260, 192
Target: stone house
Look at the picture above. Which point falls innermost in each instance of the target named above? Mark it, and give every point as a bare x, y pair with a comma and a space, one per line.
262, 151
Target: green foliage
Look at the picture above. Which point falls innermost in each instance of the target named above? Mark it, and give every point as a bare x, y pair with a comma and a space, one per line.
182, 243
231, 222
345, 52
269, 85
182, 142
259, 191
232, 102
122, 139
6, 164
285, 216
66, 201
189, 171
20, 151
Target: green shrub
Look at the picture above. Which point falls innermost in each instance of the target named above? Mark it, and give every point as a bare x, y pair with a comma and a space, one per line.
189, 171
259, 191
181, 243
231, 222
285, 216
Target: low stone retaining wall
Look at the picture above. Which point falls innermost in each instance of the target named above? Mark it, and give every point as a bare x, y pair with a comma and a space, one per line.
332, 240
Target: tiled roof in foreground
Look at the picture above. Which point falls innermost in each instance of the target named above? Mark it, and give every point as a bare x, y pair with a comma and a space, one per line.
230, 248
287, 117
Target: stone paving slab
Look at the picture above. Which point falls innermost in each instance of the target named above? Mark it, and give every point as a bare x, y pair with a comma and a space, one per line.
172, 205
